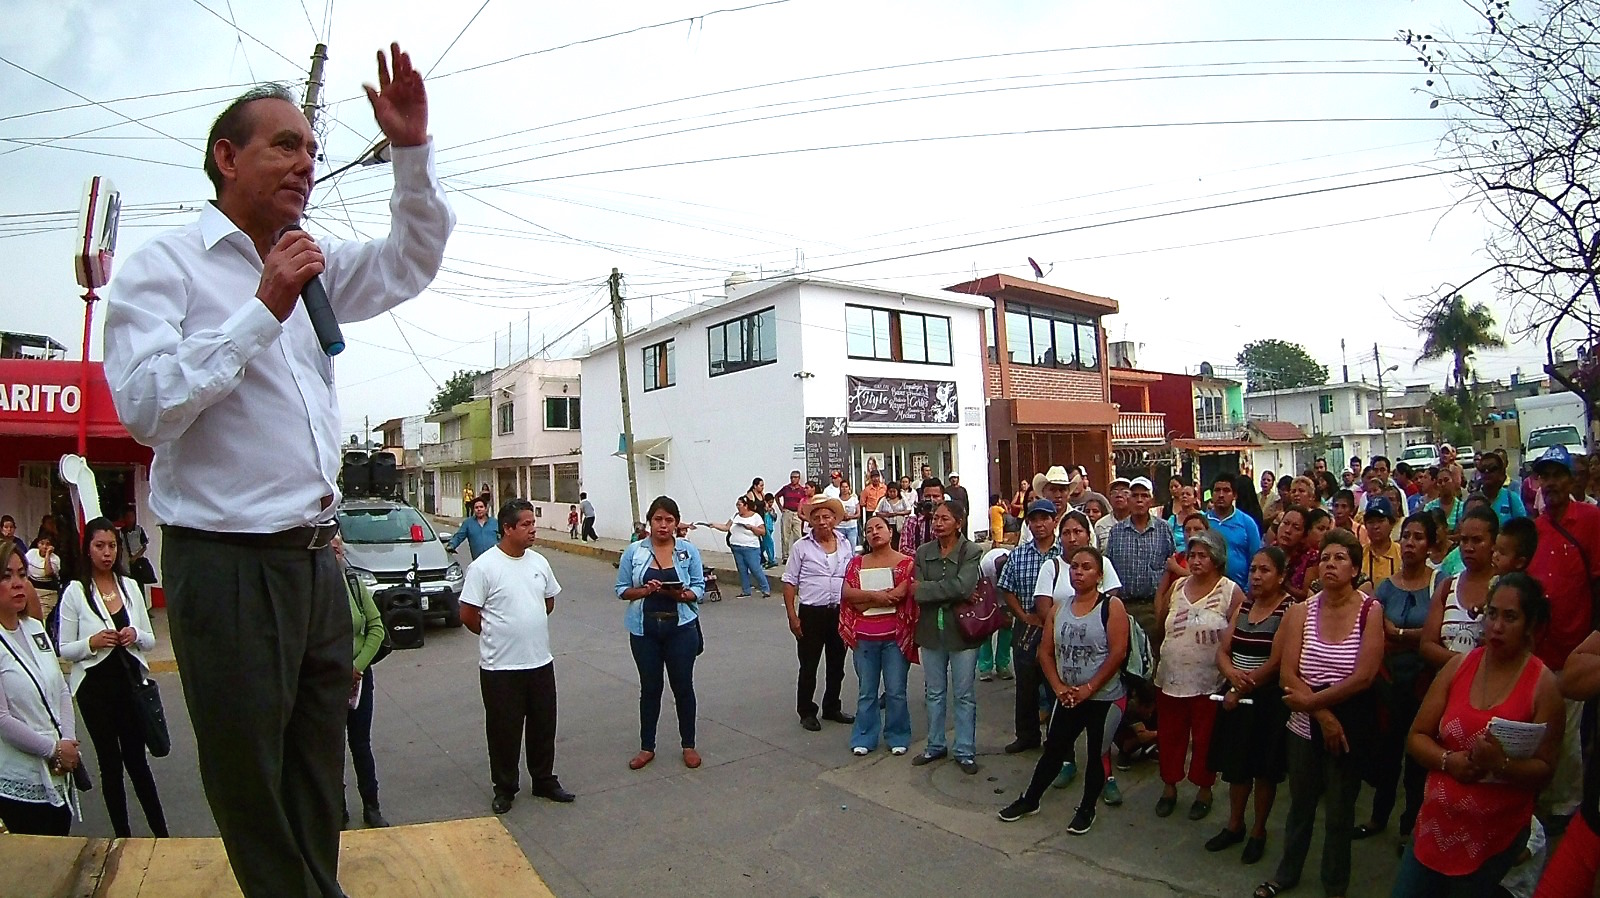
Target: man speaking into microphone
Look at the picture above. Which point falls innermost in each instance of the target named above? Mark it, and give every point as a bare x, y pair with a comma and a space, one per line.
214, 363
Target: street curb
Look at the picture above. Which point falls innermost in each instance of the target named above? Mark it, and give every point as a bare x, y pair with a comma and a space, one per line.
584, 549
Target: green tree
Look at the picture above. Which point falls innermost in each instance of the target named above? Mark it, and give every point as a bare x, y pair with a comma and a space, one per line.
1448, 424
1458, 329
1279, 365
456, 390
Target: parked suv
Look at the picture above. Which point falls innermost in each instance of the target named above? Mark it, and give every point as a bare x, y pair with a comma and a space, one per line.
384, 539
1420, 456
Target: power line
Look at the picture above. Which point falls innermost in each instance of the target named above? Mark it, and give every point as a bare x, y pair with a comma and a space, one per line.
165, 93
247, 34
453, 40
61, 87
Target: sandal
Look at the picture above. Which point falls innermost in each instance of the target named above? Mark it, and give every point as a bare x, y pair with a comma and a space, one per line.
691, 758
641, 759
1268, 889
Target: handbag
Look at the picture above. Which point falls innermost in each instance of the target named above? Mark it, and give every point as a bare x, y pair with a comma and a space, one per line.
142, 571
981, 616
147, 706
80, 776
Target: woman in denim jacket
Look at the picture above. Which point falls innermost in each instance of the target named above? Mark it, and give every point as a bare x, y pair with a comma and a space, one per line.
662, 580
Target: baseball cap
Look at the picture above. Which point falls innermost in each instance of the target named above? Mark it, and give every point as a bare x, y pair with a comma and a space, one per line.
1041, 506
1122, 480
1555, 455
1380, 506
954, 476
1141, 481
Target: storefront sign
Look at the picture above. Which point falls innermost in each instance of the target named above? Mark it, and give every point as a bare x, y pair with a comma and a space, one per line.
827, 448
891, 400
43, 398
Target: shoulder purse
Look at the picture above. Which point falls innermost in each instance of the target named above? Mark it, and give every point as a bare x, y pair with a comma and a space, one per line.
981, 616
80, 776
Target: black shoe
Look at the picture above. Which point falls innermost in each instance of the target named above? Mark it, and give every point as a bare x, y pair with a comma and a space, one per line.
810, 722
1199, 809
1365, 831
502, 803
1254, 850
1225, 839
839, 717
1017, 810
1165, 804
1021, 745
557, 794
1081, 821
927, 757
374, 817
969, 766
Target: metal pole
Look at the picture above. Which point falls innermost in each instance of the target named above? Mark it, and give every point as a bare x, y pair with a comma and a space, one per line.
313, 100
83, 375
1383, 407
622, 381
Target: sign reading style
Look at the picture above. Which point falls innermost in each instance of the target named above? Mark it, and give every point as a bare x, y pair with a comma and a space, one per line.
893, 400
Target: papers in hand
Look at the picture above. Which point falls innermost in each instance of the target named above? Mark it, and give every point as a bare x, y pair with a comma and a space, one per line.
877, 579
1520, 740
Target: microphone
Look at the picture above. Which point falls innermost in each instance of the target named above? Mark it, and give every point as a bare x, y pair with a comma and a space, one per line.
315, 299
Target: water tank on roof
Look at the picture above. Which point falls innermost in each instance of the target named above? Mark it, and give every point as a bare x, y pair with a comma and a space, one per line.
735, 279
1205, 369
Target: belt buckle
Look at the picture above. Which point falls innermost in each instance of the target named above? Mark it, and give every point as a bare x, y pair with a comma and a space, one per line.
322, 535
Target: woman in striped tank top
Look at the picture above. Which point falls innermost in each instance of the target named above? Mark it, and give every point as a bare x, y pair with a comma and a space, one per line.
1332, 650
1247, 745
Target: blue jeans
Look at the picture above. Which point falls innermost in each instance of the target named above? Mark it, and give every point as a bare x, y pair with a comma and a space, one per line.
769, 553
850, 533
877, 658
748, 560
672, 646
952, 672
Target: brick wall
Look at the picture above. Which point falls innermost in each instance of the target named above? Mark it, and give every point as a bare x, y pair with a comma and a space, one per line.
1049, 383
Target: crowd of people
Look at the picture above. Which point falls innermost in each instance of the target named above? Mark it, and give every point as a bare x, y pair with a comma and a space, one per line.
1415, 632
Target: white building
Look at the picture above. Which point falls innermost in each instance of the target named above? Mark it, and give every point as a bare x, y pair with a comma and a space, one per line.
722, 392
535, 420
1339, 415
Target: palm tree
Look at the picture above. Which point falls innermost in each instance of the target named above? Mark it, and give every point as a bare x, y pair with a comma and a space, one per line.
1459, 330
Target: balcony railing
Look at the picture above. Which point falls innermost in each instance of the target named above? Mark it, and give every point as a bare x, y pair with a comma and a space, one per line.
1220, 429
1140, 427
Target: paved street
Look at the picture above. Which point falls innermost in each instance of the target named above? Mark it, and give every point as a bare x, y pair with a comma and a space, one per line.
775, 811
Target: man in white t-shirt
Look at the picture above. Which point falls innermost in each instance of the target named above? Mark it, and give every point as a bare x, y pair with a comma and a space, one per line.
507, 600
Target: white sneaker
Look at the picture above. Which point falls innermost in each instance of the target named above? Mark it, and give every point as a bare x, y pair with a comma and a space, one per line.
859, 752
898, 750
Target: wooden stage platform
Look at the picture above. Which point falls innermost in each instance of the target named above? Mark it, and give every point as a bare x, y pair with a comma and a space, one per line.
458, 857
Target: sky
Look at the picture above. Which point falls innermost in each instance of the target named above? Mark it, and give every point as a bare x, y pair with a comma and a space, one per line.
1174, 156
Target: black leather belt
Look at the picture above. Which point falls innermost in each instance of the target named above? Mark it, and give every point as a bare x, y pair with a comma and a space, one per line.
662, 615
317, 536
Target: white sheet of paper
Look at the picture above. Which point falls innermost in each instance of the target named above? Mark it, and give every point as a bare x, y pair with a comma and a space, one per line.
876, 579
1520, 740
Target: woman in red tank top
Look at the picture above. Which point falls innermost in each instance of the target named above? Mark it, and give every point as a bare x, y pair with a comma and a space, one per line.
1478, 799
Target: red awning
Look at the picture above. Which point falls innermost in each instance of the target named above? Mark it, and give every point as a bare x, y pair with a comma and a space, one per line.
43, 398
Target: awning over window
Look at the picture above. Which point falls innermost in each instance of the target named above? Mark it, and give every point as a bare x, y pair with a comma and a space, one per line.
654, 448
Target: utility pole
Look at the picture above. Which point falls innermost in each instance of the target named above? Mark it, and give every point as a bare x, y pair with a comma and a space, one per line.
622, 381
1383, 405
313, 100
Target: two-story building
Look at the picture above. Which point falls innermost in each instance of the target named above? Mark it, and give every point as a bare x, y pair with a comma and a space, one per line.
460, 460
403, 437
1046, 385
1335, 415
789, 373
535, 444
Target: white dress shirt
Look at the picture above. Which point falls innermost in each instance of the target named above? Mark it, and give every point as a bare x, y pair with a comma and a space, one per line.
240, 409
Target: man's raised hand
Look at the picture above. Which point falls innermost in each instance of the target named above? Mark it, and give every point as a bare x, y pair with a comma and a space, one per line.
399, 102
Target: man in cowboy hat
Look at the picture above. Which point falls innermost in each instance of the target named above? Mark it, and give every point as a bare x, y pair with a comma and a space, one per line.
813, 584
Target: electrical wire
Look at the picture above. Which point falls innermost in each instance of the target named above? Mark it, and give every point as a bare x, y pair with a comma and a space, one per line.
453, 40
61, 87
243, 33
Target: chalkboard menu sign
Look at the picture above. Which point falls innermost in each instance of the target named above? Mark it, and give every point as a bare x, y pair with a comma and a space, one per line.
892, 400
827, 448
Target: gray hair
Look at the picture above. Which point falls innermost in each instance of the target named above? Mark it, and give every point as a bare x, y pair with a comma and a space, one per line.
1212, 543
236, 126
1099, 499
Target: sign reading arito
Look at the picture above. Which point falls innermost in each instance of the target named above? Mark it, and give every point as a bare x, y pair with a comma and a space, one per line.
891, 400
827, 448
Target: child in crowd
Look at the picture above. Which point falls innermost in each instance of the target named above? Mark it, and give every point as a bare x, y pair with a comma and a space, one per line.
572, 521
1515, 546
